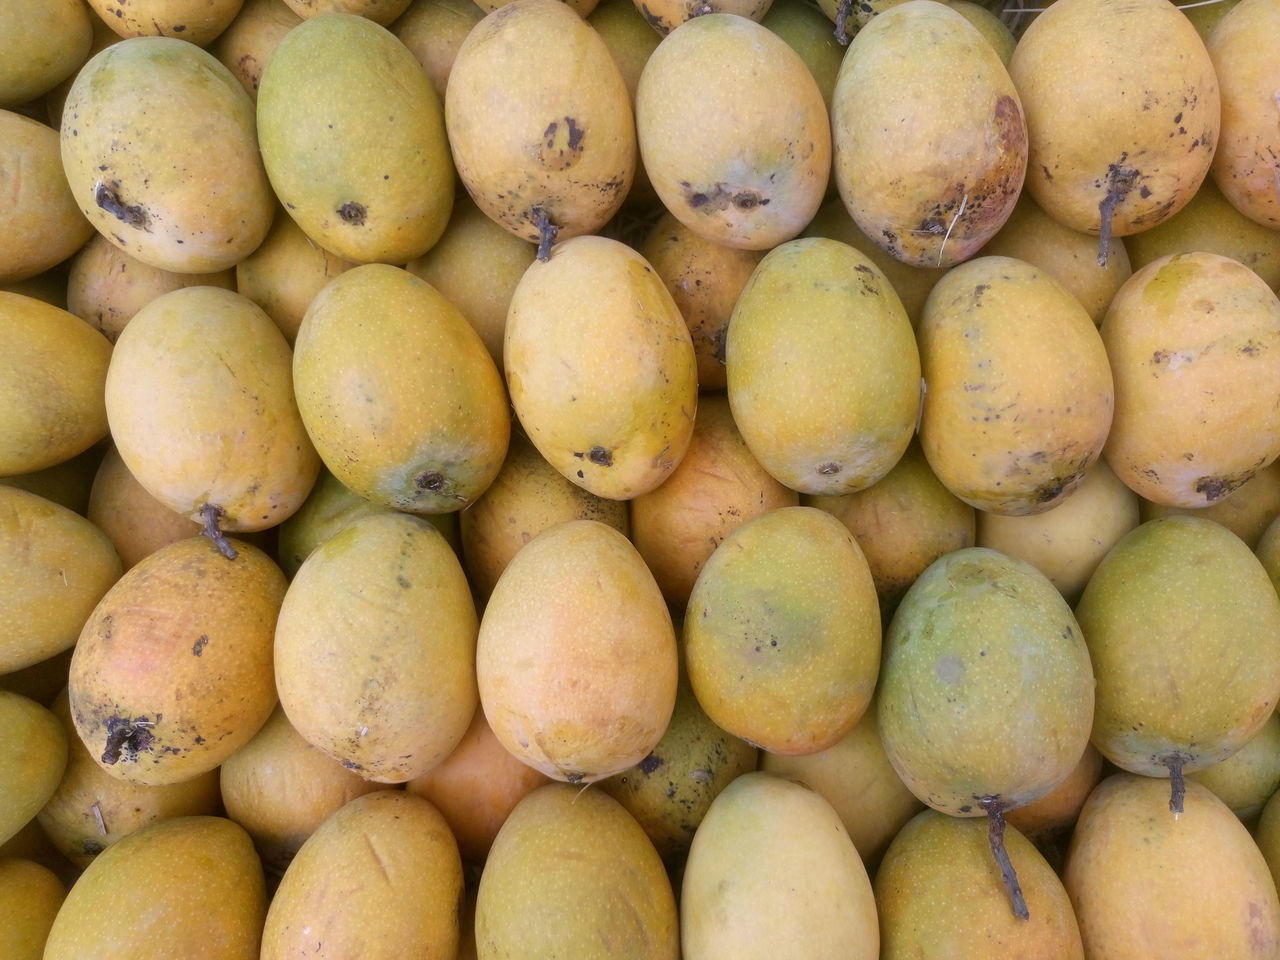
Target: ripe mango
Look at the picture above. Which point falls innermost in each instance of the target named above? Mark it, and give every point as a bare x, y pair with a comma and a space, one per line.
33, 756
46, 43
30, 896
195, 21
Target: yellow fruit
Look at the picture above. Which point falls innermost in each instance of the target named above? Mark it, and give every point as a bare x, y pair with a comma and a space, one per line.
136, 522
353, 139
822, 367
772, 873
380, 879
601, 367
746, 162
51, 385
1018, 392
375, 646
1246, 780
54, 567
30, 896
172, 672
928, 132
160, 866
159, 146
576, 659
398, 393
33, 756
1059, 808
572, 874
433, 30
545, 145
195, 21
1247, 512
247, 43
45, 43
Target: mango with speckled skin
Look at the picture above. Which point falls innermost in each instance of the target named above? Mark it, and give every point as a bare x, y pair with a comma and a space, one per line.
936, 864
986, 687
822, 368
542, 893
1018, 392
195, 21
746, 162
160, 149
379, 879
173, 671
543, 150
1141, 151
928, 164
1183, 627
398, 392
1194, 345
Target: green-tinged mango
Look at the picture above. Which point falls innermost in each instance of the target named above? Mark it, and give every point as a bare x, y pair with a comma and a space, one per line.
601, 367
375, 647
398, 393
51, 384
782, 632
571, 874
33, 757
1246, 780
172, 672
577, 659
1183, 626
772, 873
822, 368
929, 136
380, 879
54, 567
353, 140
196, 890
1147, 884
160, 149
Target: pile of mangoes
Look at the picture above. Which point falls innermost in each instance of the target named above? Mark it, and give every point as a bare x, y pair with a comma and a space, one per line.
705, 478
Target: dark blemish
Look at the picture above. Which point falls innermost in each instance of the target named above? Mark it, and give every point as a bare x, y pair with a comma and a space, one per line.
93, 847
1251, 349
650, 764
104, 630
575, 133
828, 469
573, 777
580, 475
1120, 180
1215, 488
1045, 170
431, 480
721, 197
966, 808
1050, 491
198, 647
351, 765
1010, 125
179, 27
404, 584
1178, 117
127, 738
352, 213
133, 215
1144, 191
932, 225
600, 456
719, 342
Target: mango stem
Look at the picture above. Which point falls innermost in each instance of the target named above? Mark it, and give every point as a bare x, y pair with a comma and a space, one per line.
995, 836
209, 515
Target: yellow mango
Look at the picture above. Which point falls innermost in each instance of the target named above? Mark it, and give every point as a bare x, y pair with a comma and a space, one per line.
33, 757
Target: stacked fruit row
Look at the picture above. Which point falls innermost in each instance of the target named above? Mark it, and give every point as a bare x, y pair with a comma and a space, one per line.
638, 454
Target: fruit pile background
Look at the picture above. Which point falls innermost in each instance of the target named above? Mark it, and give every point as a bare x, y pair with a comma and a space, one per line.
734, 479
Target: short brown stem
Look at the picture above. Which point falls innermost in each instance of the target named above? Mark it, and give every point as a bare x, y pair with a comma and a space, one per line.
995, 836
210, 514
1177, 785
546, 232
843, 9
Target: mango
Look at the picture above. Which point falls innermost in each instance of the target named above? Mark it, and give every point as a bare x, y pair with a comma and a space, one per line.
822, 368
540, 893
1246, 780
33, 756
30, 896
136, 523
772, 873
601, 367
161, 152
433, 30
381, 12
198, 890
46, 43
353, 140
380, 878
398, 393
375, 646
247, 43
1247, 512
196, 21
172, 672
576, 659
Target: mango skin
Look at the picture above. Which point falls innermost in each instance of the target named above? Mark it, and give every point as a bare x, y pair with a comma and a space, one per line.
1194, 345
173, 670
601, 367
753, 890
54, 567
47, 42
556, 855
380, 878
33, 756
183, 188
30, 895
375, 645
398, 393
818, 312
1243, 49
782, 632
576, 659
201, 406
195, 21
1018, 396
1145, 883
51, 385
530, 134
933, 181
353, 140
936, 863
983, 653
1184, 633
1143, 154
161, 865
746, 162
